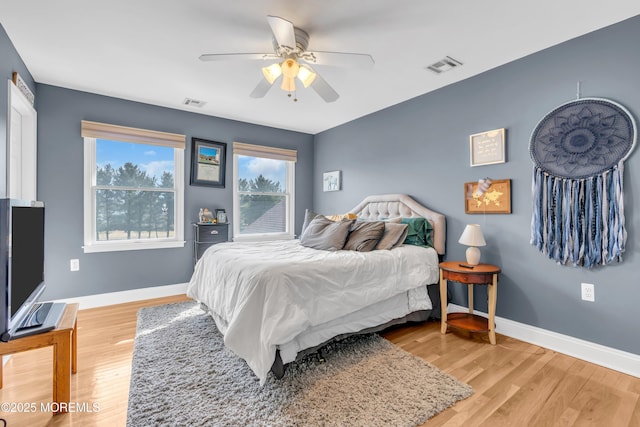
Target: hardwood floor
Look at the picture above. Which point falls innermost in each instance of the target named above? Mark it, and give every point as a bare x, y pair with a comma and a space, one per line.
105, 348
515, 383
519, 384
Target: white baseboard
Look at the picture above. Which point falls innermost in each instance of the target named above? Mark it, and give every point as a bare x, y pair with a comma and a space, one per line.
608, 357
100, 300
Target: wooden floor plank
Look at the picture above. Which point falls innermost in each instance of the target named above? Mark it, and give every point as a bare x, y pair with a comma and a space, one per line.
532, 394
515, 383
520, 384
569, 385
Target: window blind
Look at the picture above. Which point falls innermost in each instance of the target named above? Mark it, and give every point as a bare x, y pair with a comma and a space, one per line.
264, 152
129, 134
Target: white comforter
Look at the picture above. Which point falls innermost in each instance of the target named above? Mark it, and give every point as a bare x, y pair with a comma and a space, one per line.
264, 294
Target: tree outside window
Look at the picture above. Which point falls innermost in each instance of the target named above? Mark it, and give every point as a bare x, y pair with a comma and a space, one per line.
263, 195
134, 196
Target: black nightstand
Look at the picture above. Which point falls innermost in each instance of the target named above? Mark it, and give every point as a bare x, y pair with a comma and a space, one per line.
205, 235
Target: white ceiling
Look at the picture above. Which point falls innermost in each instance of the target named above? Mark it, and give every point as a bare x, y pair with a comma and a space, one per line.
147, 50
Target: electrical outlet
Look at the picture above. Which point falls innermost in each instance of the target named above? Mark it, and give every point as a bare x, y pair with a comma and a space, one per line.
588, 292
74, 264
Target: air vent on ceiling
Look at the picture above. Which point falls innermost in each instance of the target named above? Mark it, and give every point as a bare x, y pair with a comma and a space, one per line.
193, 102
445, 64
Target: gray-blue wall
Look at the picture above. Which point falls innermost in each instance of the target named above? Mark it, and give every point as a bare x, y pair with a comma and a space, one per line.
60, 186
10, 61
421, 147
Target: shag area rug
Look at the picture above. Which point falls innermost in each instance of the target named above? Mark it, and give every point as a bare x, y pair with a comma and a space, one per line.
183, 375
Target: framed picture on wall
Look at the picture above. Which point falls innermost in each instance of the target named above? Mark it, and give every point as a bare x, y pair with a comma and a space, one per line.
495, 200
208, 162
487, 148
331, 181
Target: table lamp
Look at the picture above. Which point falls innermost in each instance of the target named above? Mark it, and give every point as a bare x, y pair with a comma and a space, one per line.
472, 237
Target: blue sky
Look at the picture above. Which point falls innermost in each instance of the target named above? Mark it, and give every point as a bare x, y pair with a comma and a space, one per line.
251, 167
154, 160
207, 151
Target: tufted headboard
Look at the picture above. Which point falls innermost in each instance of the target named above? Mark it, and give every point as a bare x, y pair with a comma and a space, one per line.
393, 205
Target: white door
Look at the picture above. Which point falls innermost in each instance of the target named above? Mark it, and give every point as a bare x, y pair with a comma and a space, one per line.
22, 154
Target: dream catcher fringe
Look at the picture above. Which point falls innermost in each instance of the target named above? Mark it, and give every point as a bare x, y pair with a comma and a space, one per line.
578, 152
579, 222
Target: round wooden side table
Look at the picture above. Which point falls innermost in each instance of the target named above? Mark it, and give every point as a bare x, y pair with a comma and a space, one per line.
481, 274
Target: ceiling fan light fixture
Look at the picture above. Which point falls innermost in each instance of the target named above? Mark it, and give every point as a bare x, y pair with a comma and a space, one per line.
306, 75
290, 45
272, 72
288, 84
290, 68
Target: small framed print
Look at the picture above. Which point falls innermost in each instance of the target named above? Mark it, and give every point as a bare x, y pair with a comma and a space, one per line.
331, 181
221, 216
495, 200
208, 162
487, 148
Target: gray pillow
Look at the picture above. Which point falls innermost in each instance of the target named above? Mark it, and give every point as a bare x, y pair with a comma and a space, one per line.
322, 233
308, 216
394, 235
364, 236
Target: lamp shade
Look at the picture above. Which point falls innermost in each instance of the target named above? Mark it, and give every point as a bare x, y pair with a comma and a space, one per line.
288, 84
472, 236
290, 68
272, 72
306, 75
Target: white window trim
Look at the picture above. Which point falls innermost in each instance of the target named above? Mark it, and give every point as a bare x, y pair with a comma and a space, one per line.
289, 234
92, 246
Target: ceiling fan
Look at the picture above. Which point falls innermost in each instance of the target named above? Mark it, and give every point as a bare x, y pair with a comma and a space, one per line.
292, 60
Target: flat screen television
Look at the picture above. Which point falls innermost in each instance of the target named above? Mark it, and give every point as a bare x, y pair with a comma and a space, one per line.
22, 276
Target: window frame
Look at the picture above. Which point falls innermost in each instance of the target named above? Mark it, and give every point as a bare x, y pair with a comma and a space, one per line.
289, 195
91, 245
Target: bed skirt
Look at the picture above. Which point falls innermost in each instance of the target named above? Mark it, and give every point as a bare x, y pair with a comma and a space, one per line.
278, 368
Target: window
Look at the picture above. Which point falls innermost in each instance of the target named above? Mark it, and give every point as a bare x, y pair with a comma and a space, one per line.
263, 192
133, 188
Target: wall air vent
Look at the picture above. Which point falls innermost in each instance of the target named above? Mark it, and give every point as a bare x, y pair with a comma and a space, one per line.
193, 102
445, 64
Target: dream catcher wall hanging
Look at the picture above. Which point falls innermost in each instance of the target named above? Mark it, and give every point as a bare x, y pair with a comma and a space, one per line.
578, 151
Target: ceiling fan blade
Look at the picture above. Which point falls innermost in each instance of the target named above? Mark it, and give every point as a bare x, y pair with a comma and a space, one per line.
340, 59
323, 89
282, 31
237, 56
261, 89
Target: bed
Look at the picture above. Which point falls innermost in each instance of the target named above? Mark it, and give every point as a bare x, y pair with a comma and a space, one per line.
277, 301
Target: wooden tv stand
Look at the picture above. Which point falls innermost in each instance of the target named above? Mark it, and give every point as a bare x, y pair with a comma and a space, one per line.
64, 339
